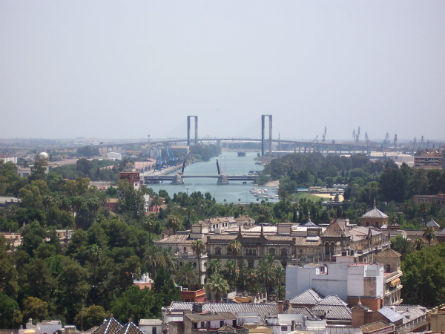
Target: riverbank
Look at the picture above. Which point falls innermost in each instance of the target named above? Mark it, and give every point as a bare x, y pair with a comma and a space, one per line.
273, 184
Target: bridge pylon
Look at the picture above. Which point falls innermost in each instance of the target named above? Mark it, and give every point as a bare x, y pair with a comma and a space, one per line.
189, 117
269, 140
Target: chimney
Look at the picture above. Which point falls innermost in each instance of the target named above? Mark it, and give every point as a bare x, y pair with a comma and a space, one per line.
197, 308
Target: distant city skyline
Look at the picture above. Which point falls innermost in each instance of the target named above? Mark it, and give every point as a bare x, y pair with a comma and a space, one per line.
110, 69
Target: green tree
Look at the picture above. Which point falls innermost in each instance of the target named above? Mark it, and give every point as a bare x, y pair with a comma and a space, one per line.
217, 286
35, 308
270, 273
8, 272
156, 258
424, 276
11, 316
214, 267
186, 276
402, 245
72, 289
90, 316
429, 234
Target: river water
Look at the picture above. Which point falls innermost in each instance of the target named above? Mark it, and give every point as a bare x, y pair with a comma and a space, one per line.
231, 164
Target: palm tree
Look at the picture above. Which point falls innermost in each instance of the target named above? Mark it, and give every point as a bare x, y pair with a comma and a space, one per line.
173, 223
198, 248
429, 234
267, 273
158, 257
229, 273
187, 276
235, 251
150, 223
418, 243
218, 286
214, 267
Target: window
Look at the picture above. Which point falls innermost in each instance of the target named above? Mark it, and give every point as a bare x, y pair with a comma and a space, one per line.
218, 251
153, 330
195, 325
185, 249
194, 264
284, 328
283, 252
272, 251
221, 323
202, 324
251, 251
250, 264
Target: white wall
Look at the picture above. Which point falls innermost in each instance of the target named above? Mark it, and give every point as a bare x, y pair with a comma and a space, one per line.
341, 279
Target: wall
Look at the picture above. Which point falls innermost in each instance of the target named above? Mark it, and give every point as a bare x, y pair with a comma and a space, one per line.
341, 279
334, 282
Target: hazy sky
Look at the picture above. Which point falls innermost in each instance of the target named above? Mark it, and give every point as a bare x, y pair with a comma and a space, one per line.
131, 68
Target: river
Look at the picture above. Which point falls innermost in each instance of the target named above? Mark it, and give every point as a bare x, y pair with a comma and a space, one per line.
231, 164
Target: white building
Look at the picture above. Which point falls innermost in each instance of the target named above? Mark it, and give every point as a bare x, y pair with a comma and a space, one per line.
151, 326
6, 158
287, 323
342, 278
114, 156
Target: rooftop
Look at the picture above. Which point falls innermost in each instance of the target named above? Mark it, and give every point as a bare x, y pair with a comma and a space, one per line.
209, 316
262, 310
309, 297
374, 213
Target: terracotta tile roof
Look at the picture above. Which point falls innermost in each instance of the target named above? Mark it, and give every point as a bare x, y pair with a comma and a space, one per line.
175, 238
388, 253
374, 326
335, 230
221, 237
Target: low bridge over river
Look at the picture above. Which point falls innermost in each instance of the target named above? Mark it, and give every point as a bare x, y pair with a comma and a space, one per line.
179, 179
